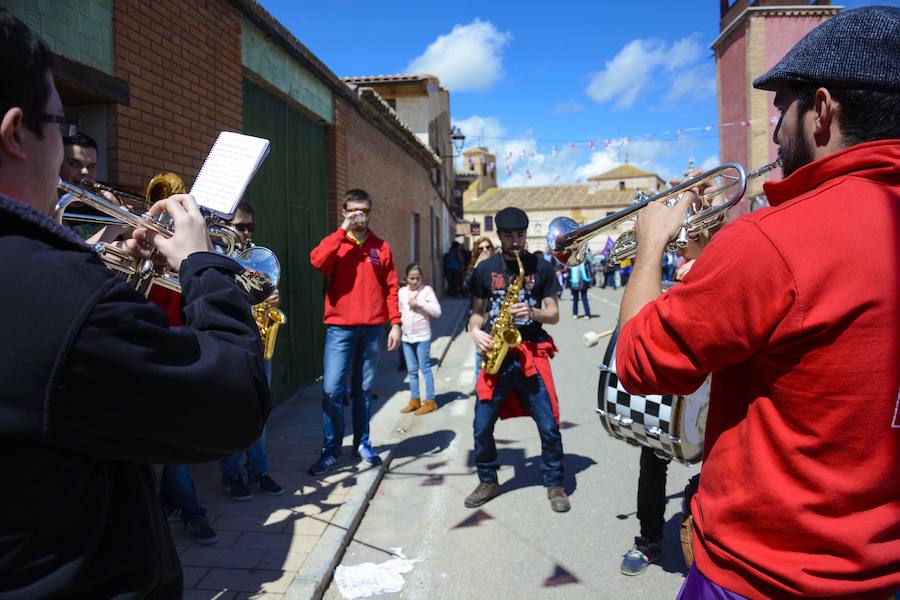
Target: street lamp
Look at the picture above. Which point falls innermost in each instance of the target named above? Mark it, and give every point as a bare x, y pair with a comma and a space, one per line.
458, 139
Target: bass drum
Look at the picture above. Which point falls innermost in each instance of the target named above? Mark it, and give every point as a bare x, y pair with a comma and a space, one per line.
673, 426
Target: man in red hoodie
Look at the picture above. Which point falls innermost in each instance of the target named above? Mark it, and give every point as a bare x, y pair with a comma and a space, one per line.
799, 495
361, 296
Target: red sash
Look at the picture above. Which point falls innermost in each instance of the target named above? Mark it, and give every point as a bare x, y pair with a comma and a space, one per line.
169, 301
534, 357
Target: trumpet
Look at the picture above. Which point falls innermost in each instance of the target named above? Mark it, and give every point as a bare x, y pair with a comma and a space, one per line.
124, 197
260, 269
568, 241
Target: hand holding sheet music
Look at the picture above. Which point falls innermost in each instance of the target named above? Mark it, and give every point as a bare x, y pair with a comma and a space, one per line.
230, 166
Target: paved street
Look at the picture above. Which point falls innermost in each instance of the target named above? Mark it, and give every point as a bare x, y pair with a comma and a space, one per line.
514, 546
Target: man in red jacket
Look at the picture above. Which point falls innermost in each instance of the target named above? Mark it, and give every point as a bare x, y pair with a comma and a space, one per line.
799, 495
361, 296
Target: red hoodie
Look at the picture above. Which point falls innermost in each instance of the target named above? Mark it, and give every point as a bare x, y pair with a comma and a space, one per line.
362, 281
795, 309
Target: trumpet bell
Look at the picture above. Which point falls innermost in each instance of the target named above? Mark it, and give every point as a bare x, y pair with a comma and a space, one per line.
558, 233
262, 271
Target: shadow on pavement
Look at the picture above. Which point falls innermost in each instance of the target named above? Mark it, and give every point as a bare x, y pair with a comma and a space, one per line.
527, 470
672, 559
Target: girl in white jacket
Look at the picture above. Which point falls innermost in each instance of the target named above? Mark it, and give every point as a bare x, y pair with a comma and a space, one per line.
418, 305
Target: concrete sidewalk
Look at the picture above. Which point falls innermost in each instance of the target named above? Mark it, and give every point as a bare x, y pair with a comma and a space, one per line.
288, 546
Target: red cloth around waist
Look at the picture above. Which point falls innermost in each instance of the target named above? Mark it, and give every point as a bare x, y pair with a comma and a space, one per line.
534, 358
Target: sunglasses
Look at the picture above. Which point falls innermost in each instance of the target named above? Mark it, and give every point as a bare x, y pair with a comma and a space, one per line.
364, 211
485, 248
245, 227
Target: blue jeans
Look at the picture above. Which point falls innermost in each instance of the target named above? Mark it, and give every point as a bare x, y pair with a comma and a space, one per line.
535, 397
360, 345
176, 490
580, 293
257, 462
418, 358
257, 459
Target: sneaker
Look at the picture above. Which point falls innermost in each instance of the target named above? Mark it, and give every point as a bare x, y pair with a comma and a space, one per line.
640, 556
365, 453
236, 488
267, 485
326, 463
173, 515
482, 494
559, 502
200, 532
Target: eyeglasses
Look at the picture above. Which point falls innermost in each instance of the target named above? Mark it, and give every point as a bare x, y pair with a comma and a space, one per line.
68, 126
244, 227
364, 211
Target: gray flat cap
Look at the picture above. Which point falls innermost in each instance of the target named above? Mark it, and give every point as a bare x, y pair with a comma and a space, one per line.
858, 48
511, 219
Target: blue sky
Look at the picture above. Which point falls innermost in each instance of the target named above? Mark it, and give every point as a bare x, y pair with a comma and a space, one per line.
559, 91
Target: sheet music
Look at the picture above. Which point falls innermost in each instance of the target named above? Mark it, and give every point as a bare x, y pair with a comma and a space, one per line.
229, 167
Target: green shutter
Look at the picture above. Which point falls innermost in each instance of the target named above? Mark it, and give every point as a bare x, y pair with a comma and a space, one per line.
289, 197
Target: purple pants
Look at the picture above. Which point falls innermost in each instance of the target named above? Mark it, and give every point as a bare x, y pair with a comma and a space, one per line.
697, 587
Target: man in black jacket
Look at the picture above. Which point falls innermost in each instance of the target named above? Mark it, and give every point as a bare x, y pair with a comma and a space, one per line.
95, 386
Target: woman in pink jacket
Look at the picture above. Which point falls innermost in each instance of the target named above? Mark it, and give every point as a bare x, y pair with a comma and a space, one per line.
418, 305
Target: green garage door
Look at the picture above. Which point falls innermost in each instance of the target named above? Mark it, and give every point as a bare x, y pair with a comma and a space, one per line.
289, 197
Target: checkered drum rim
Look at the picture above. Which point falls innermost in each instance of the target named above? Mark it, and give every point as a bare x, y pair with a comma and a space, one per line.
642, 420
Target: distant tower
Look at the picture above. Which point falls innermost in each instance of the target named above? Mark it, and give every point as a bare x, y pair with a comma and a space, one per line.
480, 167
690, 166
754, 35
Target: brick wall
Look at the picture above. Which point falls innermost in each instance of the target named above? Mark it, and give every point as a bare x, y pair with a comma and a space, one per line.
361, 156
182, 60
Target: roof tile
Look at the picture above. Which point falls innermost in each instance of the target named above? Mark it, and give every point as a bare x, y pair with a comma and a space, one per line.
548, 197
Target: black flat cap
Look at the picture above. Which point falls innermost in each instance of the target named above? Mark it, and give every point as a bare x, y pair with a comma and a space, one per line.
511, 219
858, 49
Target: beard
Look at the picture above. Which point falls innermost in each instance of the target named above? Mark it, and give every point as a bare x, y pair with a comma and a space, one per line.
794, 153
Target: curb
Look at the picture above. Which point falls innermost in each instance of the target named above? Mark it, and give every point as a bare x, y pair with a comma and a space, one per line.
315, 574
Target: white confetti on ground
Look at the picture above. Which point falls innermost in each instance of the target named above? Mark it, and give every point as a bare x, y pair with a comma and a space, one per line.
369, 579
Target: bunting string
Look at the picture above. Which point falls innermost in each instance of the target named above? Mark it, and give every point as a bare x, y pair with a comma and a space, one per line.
551, 147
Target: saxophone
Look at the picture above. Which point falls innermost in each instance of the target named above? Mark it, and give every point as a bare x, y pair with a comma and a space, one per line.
268, 320
503, 331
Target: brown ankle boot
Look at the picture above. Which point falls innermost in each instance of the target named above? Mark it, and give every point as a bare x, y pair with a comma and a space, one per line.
427, 407
482, 493
559, 502
413, 405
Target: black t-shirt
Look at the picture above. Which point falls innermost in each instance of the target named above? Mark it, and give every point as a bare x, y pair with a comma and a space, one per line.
493, 276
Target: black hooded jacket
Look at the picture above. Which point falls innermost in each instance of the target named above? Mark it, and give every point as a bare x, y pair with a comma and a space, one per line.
95, 387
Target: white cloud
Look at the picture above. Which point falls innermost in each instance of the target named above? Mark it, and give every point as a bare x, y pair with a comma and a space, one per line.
476, 127
712, 161
568, 108
468, 58
563, 164
640, 65
600, 162
699, 83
